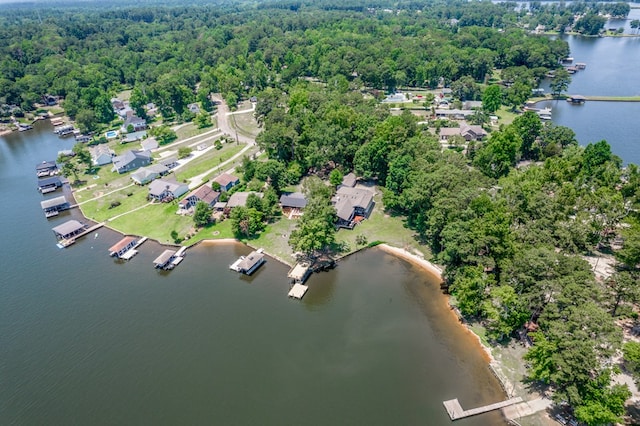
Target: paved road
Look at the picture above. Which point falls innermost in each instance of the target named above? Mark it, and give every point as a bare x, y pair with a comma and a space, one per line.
223, 121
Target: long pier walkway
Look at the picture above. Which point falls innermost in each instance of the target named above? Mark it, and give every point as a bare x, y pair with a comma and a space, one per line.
455, 411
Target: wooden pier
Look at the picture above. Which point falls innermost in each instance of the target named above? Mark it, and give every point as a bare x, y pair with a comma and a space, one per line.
455, 411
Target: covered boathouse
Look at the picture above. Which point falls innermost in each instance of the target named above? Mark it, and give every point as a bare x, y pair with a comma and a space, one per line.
49, 184
576, 99
251, 262
53, 206
164, 260
69, 229
122, 246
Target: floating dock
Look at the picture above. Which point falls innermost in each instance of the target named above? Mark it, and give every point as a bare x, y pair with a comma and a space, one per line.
298, 290
455, 411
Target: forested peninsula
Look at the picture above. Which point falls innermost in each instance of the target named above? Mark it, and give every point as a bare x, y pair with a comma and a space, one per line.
513, 217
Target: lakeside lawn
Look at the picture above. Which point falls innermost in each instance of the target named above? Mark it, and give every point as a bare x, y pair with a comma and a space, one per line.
275, 239
129, 198
155, 221
208, 161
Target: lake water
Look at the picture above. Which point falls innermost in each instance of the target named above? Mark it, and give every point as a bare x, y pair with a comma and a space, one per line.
87, 340
612, 70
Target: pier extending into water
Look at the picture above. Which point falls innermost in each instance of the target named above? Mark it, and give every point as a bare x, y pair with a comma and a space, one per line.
455, 411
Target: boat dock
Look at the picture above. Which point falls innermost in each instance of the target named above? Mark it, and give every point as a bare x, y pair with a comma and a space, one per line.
169, 259
70, 231
297, 276
248, 264
298, 290
455, 411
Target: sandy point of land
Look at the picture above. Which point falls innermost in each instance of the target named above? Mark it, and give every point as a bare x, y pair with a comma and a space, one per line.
415, 259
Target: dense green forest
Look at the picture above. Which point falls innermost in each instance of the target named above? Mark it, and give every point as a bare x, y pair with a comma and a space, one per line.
510, 217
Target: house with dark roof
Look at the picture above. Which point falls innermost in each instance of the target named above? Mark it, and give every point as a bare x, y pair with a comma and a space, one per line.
101, 154
144, 175
352, 205
166, 190
69, 229
131, 160
203, 194
137, 123
294, 200
227, 181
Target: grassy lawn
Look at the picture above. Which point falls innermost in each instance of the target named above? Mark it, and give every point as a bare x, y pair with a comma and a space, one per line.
505, 115
275, 239
155, 221
208, 161
246, 124
99, 183
100, 209
218, 231
191, 130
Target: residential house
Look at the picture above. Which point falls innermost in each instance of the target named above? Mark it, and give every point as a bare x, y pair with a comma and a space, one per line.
138, 124
352, 205
468, 132
166, 190
169, 162
239, 199
292, 204
455, 114
227, 181
194, 108
349, 180
117, 105
145, 175
101, 154
131, 160
203, 194
149, 144
134, 136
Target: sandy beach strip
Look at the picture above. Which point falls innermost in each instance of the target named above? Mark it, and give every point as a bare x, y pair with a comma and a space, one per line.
415, 259
212, 242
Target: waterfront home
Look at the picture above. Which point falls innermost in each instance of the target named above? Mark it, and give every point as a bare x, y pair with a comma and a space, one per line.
49, 184
204, 194
122, 246
352, 205
349, 180
117, 105
46, 168
248, 264
166, 190
69, 229
131, 160
227, 181
144, 175
135, 122
239, 199
101, 154
53, 206
292, 204
80, 138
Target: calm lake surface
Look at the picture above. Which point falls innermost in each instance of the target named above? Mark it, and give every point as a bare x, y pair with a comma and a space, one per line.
612, 70
86, 340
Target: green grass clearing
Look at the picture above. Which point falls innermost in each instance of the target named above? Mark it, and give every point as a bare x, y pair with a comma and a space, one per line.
208, 161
